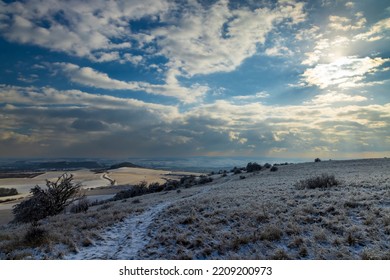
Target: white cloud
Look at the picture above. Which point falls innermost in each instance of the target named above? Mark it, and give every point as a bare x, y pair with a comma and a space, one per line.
252, 98
343, 72
44, 97
327, 49
278, 50
336, 97
346, 24
134, 59
79, 28
235, 136
376, 32
220, 39
198, 40
90, 77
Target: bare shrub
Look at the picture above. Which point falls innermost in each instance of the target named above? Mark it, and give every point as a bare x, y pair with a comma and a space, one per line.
319, 182
47, 202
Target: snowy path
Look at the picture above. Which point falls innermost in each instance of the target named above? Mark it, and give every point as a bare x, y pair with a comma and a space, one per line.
123, 240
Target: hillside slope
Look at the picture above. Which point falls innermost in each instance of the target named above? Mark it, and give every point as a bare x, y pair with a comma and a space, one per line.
263, 216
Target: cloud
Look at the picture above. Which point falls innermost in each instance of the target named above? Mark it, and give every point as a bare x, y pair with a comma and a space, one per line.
204, 41
344, 72
88, 76
336, 97
84, 29
251, 98
345, 24
46, 96
88, 125
193, 38
83, 124
376, 32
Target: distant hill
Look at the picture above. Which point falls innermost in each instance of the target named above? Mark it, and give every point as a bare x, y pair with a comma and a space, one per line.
69, 165
124, 164
30, 166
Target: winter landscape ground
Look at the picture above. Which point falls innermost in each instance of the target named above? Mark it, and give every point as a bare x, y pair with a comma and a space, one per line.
257, 215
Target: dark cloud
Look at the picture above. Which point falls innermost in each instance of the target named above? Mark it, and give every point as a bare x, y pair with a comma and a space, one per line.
88, 125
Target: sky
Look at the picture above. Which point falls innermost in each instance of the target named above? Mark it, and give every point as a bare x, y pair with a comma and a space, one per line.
154, 78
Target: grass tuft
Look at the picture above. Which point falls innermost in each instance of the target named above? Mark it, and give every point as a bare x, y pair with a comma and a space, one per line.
323, 181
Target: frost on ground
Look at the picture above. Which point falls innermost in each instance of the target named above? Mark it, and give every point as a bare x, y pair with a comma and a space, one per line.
123, 240
261, 216
265, 217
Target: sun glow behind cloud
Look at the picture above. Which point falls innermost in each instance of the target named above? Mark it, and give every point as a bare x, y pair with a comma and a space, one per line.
343, 72
157, 78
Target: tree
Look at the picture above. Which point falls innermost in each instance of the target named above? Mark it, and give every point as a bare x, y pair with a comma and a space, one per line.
47, 202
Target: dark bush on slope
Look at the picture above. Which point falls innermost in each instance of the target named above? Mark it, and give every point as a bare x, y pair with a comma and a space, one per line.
252, 167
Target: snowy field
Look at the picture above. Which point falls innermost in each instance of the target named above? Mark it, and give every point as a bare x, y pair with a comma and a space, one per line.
261, 216
88, 180
84, 176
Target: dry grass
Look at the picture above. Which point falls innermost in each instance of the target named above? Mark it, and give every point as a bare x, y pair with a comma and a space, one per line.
267, 217
262, 217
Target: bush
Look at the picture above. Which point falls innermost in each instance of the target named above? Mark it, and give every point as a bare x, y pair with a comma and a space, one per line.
82, 205
252, 167
135, 190
8, 192
267, 165
187, 181
204, 180
36, 236
236, 170
47, 202
156, 187
317, 160
319, 182
273, 169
